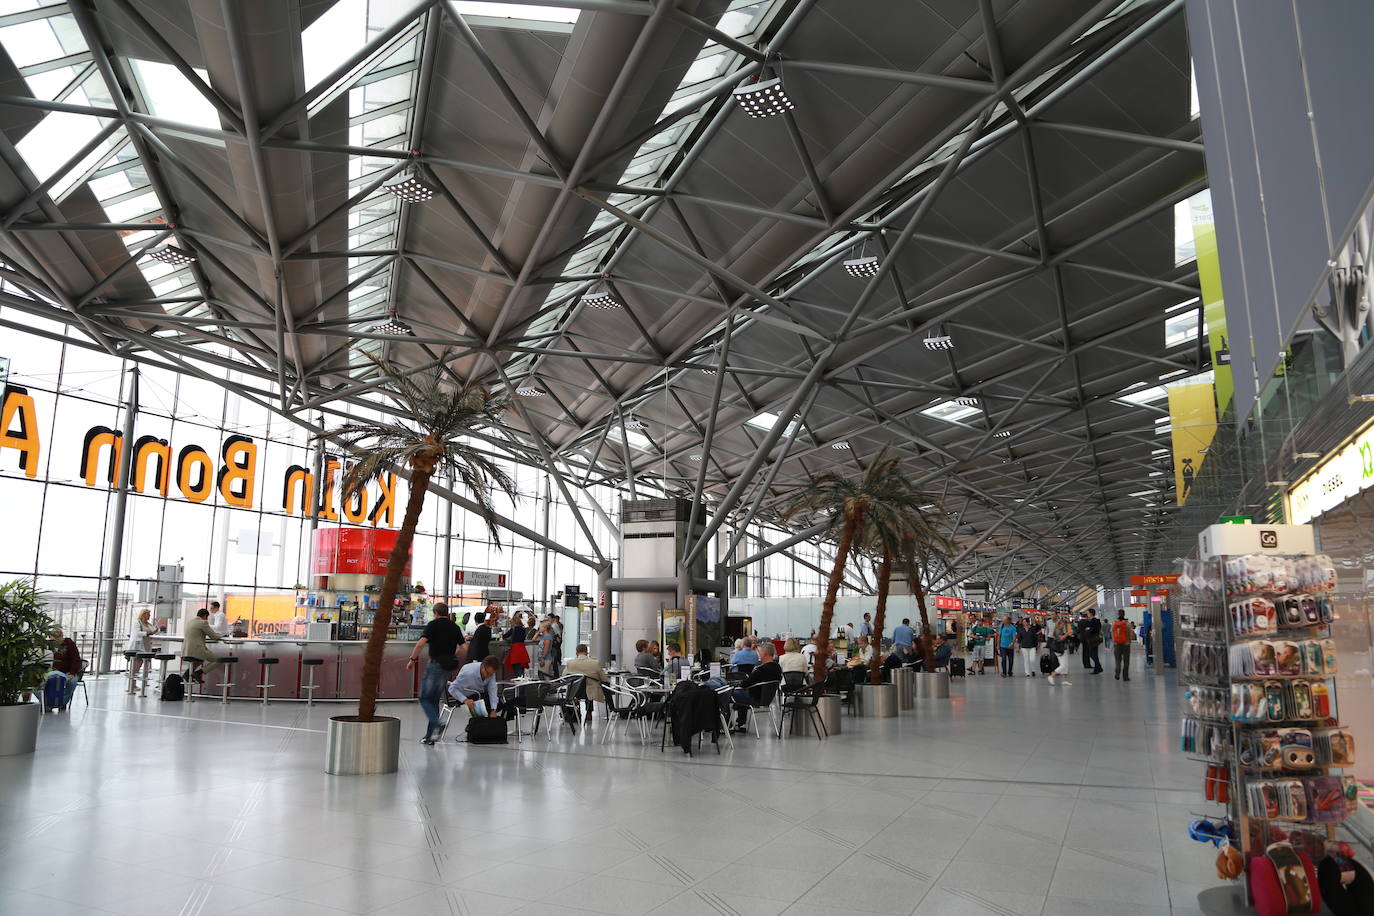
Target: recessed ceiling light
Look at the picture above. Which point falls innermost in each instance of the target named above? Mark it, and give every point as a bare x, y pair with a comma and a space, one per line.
861, 267
409, 186
601, 299
763, 98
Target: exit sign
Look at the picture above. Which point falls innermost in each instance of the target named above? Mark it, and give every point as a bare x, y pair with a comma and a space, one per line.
1236, 520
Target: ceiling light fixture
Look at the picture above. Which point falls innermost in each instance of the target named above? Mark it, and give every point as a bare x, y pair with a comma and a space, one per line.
941, 342
866, 266
409, 186
601, 298
530, 391
694, 457
762, 98
1001, 434
633, 423
967, 402
1310, 456
841, 446
169, 252
393, 325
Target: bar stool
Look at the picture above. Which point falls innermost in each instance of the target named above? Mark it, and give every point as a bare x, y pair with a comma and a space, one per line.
310, 686
188, 675
129, 656
163, 658
264, 686
147, 669
228, 662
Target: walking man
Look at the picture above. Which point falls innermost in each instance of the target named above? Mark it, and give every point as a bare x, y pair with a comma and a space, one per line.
1121, 646
1006, 645
982, 645
443, 637
1091, 634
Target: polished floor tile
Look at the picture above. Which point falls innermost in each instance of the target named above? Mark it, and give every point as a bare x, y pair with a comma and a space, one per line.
1012, 799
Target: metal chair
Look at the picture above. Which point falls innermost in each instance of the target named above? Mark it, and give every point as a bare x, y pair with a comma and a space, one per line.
562, 699
227, 679
621, 704
805, 700
309, 687
762, 696
525, 699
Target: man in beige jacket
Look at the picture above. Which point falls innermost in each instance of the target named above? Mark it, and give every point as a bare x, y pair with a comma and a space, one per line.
193, 645
594, 676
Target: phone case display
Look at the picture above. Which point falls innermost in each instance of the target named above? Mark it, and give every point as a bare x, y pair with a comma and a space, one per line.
1256, 659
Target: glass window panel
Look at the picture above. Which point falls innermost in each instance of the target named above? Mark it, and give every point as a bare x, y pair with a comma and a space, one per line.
171, 95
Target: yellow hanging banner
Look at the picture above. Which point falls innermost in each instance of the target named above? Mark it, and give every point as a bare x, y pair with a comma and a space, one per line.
1213, 303
1193, 418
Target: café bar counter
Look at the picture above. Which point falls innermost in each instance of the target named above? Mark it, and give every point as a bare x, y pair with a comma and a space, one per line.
336, 677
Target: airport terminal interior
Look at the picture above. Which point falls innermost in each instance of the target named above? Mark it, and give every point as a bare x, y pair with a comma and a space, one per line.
686, 456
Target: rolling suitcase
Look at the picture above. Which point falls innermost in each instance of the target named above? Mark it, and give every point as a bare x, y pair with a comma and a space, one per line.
55, 692
956, 667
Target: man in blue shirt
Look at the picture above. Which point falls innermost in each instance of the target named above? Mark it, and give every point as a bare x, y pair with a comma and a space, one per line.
866, 628
902, 634
476, 681
1006, 645
746, 655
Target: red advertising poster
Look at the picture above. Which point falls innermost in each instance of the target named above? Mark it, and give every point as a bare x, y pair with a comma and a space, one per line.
948, 604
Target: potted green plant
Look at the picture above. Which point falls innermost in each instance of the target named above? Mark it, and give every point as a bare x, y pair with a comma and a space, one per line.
24, 659
439, 416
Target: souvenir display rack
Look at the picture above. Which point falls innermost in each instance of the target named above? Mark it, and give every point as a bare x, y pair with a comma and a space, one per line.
1257, 663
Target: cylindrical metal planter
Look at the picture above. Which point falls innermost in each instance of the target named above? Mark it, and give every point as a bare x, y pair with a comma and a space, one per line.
362, 748
19, 728
880, 700
932, 686
829, 708
904, 679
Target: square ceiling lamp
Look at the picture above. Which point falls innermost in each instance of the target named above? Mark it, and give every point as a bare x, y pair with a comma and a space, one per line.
967, 402
762, 98
169, 252
393, 325
602, 299
409, 186
862, 267
941, 342
530, 390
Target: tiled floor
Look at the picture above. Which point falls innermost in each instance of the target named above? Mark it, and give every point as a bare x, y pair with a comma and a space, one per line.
1013, 797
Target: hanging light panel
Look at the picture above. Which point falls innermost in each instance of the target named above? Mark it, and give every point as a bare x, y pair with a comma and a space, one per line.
763, 99
861, 267
393, 325
942, 342
409, 186
171, 253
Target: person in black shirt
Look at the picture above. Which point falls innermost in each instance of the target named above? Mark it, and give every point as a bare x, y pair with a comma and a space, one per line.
1091, 634
481, 638
766, 670
443, 637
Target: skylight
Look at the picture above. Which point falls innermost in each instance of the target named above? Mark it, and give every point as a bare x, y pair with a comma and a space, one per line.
170, 95
1144, 395
342, 31
636, 439
951, 411
527, 11
768, 421
1187, 213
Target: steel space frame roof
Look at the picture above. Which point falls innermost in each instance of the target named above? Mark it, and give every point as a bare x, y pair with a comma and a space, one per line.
1014, 165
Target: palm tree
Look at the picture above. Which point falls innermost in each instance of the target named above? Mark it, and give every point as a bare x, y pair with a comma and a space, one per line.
880, 510
426, 441
898, 530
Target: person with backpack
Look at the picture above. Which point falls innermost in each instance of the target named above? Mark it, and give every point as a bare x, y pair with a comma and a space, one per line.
1121, 646
443, 637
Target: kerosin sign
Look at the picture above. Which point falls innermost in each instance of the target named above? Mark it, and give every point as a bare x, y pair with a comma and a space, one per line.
231, 470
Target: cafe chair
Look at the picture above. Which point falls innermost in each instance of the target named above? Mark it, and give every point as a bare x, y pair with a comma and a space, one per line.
309, 687
624, 704
521, 700
762, 696
227, 664
807, 701
563, 700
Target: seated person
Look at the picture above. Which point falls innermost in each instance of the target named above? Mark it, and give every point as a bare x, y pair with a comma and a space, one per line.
944, 650
900, 655
676, 665
477, 681
593, 677
765, 671
66, 660
644, 662
746, 654
862, 656
793, 658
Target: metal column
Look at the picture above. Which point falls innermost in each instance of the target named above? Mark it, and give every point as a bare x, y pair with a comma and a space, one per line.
447, 571
125, 460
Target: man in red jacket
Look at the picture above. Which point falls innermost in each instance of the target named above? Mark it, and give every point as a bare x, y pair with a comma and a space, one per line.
66, 658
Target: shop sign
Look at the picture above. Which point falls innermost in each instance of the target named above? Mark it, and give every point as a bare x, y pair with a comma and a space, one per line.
1139, 592
478, 578
948, 604
1346, 471
1156, 579
1139, 604
231, 471
1236, 540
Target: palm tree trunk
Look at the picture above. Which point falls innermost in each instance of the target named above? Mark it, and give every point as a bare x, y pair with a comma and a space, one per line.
832, 590
381, 618
875, 667
927, 635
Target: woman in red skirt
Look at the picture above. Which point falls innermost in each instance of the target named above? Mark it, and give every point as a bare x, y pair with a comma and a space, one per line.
517, 656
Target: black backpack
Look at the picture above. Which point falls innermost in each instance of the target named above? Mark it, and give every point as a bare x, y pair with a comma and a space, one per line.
173, 688
1049, 663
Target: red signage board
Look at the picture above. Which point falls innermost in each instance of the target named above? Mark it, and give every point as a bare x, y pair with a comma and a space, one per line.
1139, 604
948, 604
1154, 580
1139, 592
